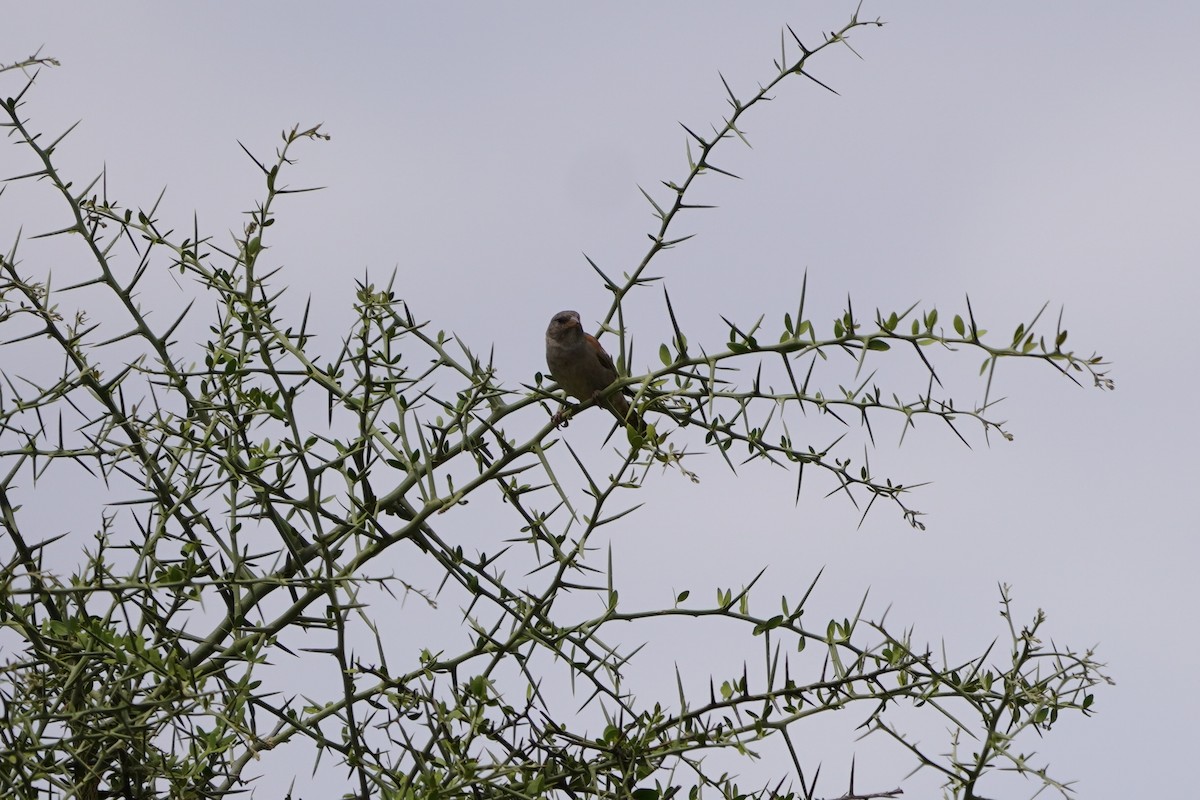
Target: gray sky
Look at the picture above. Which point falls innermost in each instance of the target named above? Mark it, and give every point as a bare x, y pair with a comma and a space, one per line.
1020, 153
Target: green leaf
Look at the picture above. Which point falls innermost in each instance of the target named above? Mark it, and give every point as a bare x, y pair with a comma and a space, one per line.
878, 344
959, 326
664, 355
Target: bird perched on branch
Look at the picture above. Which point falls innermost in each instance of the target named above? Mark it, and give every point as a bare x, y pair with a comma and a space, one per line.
583, 369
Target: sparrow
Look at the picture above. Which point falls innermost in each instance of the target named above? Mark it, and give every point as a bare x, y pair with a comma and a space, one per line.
583, 369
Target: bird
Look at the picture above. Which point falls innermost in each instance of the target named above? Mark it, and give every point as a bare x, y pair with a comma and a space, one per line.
583, 369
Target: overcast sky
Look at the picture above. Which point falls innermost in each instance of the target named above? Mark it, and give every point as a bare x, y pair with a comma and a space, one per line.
1020, 152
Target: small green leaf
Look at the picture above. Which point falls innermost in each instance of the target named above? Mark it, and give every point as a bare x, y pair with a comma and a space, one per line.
959, 326
664, 355
878, 344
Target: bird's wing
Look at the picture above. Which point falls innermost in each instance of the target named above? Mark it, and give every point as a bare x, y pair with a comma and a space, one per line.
602, 356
